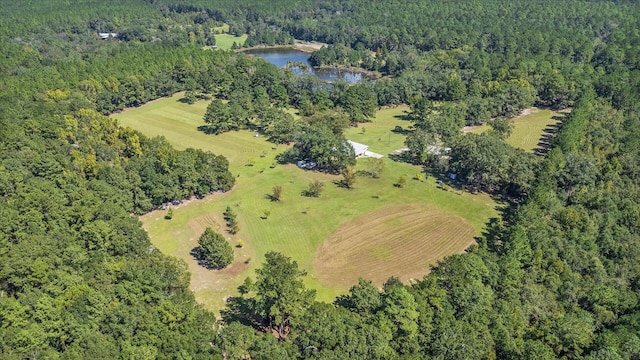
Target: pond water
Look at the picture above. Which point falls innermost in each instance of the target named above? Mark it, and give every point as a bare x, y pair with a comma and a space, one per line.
282, 56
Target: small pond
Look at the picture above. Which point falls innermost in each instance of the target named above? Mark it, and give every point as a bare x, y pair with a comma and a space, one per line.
282, 56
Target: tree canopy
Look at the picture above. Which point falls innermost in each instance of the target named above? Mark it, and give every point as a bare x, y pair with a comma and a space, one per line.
214, 251
555, 276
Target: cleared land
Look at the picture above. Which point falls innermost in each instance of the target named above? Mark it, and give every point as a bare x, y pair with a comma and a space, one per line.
399, 240
297, 226
531, 129
225, 41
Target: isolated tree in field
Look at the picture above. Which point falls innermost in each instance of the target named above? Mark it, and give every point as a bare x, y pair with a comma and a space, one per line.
315, 188
348, 177
375, 167
276, 194
230, 217
214, 251
229, 214
280, 292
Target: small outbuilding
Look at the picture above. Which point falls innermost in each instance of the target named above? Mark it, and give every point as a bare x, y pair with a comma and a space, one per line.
360, 149
107, 36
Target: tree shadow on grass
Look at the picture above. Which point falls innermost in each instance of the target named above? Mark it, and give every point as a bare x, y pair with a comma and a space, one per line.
342, 184
197, 254
404, 116
242, 310
206, 129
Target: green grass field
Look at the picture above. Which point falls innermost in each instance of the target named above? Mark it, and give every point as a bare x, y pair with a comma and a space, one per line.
297, 226
528, 129
224, 28
225, 41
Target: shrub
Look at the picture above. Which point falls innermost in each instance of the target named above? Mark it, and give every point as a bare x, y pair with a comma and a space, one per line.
315, 188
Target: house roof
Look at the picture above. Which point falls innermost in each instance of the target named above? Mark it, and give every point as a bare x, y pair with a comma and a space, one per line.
359, 148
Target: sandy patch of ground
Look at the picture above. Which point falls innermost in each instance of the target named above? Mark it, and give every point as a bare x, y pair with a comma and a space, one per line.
403, 241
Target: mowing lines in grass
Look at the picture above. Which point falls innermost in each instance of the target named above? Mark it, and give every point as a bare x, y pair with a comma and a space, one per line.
297, 225
401, 241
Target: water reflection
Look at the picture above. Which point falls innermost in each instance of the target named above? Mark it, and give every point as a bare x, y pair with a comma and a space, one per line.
282, 56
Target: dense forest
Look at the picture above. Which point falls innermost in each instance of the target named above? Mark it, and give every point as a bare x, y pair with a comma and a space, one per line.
557, 276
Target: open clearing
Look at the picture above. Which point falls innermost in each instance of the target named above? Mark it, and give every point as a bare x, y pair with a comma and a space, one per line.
399, 240
225, 41
297, 226
530, 129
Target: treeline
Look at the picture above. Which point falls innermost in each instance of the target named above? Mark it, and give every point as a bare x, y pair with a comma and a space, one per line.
480, 42
555, 278
78, 275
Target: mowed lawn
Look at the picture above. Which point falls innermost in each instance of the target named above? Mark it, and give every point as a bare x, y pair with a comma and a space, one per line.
225, 41
529, 129
297, 226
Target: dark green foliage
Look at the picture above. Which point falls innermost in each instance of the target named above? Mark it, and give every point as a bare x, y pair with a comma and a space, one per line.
555, 278
214, 251
501, 128
319, 144
359, 102
280, 293
485, 162
232, 222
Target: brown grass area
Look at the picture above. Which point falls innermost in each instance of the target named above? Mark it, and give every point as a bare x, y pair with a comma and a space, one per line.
200, 223
403, 241
201, 277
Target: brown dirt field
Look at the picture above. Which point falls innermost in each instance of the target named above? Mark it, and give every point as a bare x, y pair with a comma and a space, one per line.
403, 241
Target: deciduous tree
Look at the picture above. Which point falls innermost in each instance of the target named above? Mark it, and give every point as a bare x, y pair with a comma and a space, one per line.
214, 250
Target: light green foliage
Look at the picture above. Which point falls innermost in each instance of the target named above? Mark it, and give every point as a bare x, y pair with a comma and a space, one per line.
402, 182
375, 167
315, 189
348, 178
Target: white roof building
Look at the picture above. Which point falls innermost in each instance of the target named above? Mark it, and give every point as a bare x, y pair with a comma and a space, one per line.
359, 149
